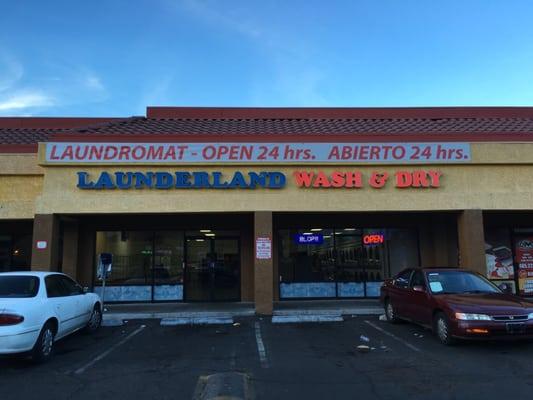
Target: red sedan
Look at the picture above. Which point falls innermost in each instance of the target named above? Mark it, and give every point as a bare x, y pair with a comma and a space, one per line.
456, 304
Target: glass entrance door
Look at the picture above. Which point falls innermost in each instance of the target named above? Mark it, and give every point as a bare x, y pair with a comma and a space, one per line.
212, 269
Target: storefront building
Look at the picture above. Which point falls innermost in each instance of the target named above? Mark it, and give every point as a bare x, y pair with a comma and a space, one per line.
265, 205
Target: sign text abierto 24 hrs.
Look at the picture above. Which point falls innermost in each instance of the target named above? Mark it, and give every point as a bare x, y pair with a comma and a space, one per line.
256, 153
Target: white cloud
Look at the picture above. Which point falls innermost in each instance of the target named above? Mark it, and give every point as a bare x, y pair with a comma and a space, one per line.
93, 82
26, 100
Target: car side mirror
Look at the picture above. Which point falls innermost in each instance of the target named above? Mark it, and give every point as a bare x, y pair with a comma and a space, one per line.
419, 288
505, 288
85, 289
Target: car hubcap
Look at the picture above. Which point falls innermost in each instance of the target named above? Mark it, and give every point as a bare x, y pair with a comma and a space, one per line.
95, 319
47, 343
442, 329
390, 311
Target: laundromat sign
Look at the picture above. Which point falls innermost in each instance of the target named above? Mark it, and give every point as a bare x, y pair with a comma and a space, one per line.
64, 153
252, 180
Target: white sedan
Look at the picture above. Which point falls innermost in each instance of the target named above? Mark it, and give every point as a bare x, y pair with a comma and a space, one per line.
38, 308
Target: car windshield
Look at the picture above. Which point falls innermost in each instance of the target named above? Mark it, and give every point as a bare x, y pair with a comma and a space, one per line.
18, 286
445, 282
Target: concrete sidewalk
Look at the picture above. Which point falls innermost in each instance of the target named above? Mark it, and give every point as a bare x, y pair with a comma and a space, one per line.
245, 309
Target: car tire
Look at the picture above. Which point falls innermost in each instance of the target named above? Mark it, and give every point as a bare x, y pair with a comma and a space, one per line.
43, 349
390, 312
441, 328
95, 320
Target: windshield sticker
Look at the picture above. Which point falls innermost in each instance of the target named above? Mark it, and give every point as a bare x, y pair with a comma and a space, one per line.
435, 286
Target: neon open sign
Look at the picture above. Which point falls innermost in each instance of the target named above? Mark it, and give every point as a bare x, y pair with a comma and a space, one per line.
373, 239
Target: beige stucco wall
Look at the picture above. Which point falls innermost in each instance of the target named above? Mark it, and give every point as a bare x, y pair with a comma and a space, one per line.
463, 187
21, 181
500, 176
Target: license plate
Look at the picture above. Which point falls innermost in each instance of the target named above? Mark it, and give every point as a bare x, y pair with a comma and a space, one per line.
516, 328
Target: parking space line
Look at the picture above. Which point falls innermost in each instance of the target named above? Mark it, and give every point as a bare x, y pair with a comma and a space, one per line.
260, 346
393, 336
81, 370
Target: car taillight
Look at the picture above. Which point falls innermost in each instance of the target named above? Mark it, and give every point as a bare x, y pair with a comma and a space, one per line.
10, 319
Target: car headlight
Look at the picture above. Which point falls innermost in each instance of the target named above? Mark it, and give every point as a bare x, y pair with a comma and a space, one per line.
472, 317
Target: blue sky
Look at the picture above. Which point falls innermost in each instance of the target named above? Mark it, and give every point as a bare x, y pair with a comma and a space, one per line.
114, 58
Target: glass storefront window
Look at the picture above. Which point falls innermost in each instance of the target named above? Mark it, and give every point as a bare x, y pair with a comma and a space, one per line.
168, 258
15, 252
354, 260
312, 262
132, 256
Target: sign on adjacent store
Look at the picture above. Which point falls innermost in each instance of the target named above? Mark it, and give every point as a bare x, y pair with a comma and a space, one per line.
255, 153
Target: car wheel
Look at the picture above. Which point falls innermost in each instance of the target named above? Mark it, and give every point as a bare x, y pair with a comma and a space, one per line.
95, 320
390, 313
44, 347
441, 327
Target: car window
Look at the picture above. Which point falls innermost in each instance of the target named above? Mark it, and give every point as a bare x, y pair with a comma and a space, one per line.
18, 286
459, 282
417, 279
71, 287
54, 287
402, 280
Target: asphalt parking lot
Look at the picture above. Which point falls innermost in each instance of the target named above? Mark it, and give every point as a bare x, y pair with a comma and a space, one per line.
143, 360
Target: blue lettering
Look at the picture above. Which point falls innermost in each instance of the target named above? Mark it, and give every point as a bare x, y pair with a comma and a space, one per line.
217, 178
163, 180
182, 180
276, 180
142, 179
238, 181
257, 179
119, 177
201, 180
82, 181
104, 182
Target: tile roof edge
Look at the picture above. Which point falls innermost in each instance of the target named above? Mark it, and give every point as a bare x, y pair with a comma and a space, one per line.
154, 112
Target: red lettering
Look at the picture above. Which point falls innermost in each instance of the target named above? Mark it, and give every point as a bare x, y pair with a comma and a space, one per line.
124, 153
110, 152
374, 152
81, 156
346, 153
67, 153
363, 153
138, 153
170, 154
373, 239
435, 178
154, 154
398, 152
222, 151
337, 179
209, 152
333, 154
420, 179
303, 178
321, 180
354, 179
96, 152
403, 179
53, 155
